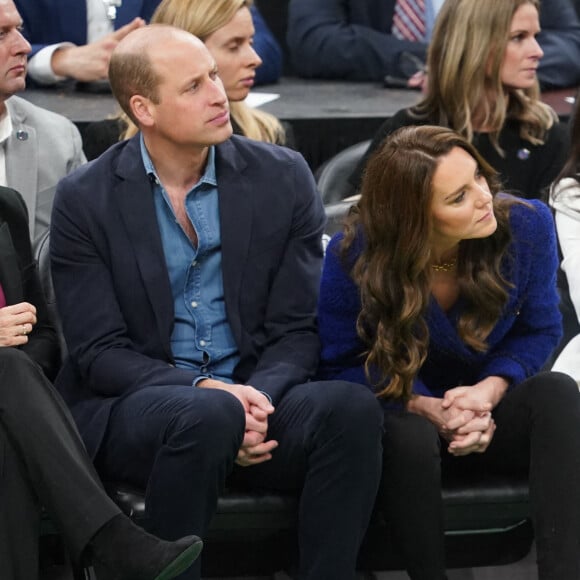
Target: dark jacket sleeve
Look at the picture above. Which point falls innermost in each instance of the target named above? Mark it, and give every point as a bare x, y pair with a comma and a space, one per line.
53, 21
560, 41
268, 50
42, 344
292, 347
346, 39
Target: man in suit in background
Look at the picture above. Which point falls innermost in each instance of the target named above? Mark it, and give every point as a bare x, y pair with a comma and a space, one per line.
353, 40
75, 38
38, 147
186, 264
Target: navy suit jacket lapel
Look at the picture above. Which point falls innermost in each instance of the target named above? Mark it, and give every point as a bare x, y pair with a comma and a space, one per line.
234, 190
135, 197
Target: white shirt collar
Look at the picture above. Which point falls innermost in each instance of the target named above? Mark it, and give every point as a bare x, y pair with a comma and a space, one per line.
5, 132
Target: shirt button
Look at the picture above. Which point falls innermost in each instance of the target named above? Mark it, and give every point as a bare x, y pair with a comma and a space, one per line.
194, 263
202, 343
203, 369
193, 304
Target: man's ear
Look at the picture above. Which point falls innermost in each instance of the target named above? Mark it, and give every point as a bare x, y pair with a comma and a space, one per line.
142, 108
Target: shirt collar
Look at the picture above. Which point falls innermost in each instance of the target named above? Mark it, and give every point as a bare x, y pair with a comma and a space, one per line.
209, 174
5, 127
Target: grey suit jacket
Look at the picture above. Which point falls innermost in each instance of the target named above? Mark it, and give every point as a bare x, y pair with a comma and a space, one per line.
42, 149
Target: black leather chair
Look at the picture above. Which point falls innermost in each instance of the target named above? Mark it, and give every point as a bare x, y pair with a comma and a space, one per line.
486, 524
41, 254
336, 213
254, 532
332, 176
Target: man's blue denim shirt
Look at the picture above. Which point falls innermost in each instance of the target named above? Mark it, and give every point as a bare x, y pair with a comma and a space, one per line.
201, 337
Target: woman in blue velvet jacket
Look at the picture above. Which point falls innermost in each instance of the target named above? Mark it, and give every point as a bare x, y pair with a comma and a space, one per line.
441, 296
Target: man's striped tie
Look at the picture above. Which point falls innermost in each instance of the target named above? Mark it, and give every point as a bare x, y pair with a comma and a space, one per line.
409, 20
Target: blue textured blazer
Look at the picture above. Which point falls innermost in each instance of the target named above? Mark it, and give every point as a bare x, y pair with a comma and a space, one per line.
519, 344
112, 285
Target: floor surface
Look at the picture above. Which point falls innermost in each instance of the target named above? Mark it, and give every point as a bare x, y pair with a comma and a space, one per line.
525, 569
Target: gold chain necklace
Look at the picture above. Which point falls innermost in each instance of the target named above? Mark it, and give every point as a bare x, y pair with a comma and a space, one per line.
445, 266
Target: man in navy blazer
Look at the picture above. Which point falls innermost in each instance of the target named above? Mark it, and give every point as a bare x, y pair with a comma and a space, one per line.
186, 265
352, 40
50, 23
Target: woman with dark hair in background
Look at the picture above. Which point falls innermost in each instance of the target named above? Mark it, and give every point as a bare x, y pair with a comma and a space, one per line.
441, 296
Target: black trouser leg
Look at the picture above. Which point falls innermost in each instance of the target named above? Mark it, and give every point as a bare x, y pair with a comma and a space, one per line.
180, 443
410, 493
538, 428
19, 516
538, 433
44, 452
329, 436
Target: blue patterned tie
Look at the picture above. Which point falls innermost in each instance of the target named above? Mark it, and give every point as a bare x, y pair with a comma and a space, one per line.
409, 20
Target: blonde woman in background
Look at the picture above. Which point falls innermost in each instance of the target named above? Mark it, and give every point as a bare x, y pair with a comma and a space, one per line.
227, 29
482, 61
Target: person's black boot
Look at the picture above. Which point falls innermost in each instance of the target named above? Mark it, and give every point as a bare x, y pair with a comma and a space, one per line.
121, 550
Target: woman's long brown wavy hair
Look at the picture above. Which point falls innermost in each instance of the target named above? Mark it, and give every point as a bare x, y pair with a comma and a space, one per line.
393, 271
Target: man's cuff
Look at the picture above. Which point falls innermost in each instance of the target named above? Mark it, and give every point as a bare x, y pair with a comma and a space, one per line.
198, 380
39, 66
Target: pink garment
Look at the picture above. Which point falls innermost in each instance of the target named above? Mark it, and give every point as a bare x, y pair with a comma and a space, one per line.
2, 298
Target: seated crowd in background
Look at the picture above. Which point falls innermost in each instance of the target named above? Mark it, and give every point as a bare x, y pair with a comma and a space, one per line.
74, 38
495, 105
39, 146
364, 40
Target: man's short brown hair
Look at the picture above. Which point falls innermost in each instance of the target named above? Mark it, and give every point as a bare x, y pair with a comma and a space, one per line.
132, 73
